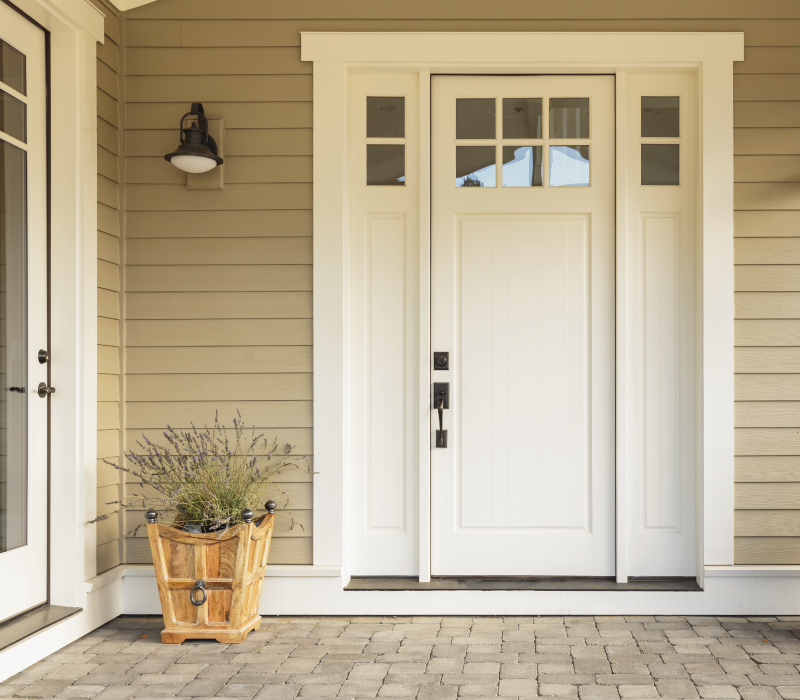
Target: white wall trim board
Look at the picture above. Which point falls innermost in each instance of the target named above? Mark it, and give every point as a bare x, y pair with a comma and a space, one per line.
65, 16
563, 51
336, 57
735, 595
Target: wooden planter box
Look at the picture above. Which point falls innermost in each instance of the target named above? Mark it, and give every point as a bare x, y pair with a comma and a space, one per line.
226, 568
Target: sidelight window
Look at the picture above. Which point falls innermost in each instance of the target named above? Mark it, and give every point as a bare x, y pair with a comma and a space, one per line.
660, 136
386, 142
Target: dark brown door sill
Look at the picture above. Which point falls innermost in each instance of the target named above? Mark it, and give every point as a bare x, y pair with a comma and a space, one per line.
18, 628
368, 583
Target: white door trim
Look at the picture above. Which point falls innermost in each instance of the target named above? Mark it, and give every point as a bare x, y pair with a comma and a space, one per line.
75, 27
336, 55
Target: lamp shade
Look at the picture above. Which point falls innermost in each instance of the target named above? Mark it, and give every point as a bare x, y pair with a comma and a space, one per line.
197, 152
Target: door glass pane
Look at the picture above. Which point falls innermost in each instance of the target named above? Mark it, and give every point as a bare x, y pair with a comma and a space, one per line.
386, 117
661, 116
12, 68
522, 166
12, 116
475, 118
522, 118
13, 404
475, 166
661, 163
386, 164
569, 166
569, 117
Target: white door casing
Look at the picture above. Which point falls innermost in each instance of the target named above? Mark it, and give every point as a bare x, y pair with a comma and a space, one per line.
522, 296
338, 57
24, 582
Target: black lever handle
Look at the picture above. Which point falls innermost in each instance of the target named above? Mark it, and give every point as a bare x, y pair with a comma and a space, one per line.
20, 389
441, 398
43, 390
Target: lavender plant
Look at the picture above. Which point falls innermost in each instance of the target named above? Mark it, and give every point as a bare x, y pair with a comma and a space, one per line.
204, 477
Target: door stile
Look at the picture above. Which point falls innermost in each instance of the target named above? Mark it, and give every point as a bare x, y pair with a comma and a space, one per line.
621, 325
426, 351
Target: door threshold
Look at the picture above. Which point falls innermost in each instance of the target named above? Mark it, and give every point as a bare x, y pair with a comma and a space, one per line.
18, 628
520, 583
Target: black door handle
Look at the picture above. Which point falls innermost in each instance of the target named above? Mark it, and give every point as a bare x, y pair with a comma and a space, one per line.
20, 389
441, 399
43, 390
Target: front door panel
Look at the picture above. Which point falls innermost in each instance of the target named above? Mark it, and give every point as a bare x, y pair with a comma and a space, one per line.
523, 299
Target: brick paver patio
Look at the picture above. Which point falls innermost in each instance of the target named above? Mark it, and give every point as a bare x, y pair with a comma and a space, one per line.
429, 658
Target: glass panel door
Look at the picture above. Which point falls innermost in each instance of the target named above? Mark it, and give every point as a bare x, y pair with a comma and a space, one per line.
23, 315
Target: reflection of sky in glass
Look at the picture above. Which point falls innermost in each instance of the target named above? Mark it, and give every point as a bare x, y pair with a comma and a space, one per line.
521, 171
569, 166
485, 177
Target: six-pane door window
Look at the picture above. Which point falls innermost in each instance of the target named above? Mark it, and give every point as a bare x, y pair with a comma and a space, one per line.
522, 142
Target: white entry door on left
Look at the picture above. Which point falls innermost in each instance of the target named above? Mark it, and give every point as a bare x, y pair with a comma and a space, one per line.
23, 315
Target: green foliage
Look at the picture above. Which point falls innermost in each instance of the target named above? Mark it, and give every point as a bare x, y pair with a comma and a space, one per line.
204, 477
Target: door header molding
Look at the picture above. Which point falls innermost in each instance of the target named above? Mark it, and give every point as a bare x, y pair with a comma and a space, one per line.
560, 50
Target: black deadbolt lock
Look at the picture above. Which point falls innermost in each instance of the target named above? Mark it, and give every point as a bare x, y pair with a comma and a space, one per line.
441, 360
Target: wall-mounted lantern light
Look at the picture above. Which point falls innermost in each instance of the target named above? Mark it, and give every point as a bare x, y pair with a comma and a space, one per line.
197, 152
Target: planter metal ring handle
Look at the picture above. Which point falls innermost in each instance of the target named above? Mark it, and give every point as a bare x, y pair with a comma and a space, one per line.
199, 585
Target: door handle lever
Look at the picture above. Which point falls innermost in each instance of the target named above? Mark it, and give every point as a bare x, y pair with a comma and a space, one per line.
43, 390
441, 397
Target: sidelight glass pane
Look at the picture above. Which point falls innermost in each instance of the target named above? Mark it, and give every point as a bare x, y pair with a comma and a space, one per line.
661, 116
475, 118
12, 68
12, 116
522, 118
661, 163
569, 117
569, 166
522, 166
386, 164
475, 166
386, 117
13, 404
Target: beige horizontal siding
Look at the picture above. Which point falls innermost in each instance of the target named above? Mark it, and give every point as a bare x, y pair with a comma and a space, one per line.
767, 305
219, 281
580, 10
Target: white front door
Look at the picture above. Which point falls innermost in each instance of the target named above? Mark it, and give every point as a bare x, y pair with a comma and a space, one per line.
522, 290
23, 315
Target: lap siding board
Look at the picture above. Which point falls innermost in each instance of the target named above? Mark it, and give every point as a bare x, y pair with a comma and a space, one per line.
247, 68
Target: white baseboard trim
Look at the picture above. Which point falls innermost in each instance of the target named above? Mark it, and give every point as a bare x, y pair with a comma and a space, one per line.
761, 571
729, 591
102, 604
